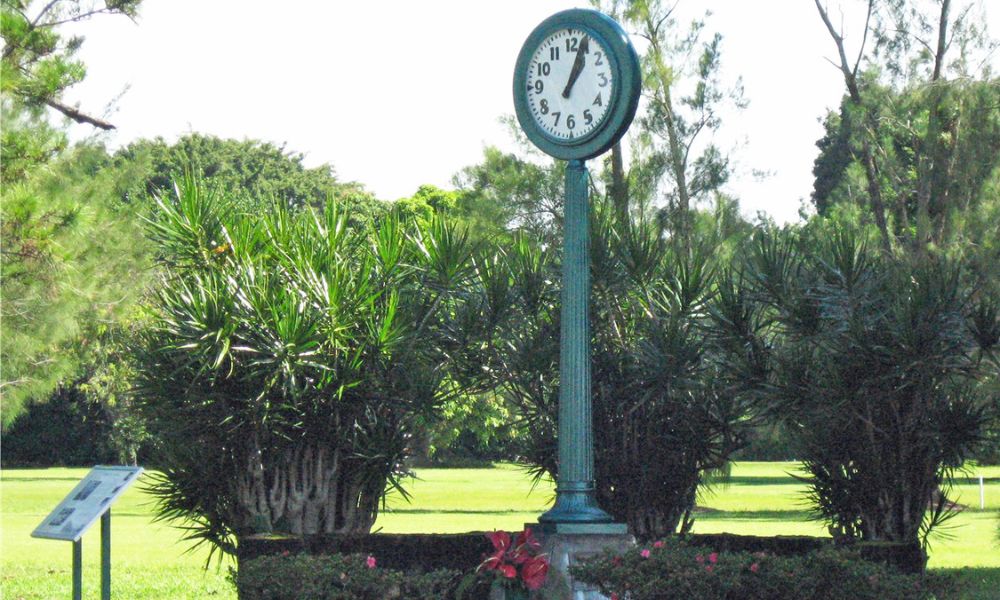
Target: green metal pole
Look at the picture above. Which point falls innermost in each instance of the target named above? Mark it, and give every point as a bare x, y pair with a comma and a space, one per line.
106, 555
78, 570
575, 497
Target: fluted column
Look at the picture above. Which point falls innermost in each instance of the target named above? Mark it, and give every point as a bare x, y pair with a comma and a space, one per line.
575, 495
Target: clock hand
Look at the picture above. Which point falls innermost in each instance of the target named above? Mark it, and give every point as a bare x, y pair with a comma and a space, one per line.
577, 66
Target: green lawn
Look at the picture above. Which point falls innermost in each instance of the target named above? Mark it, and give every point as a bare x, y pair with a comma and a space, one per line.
149, 561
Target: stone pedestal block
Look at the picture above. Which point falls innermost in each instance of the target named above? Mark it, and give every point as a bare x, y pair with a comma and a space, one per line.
567, 544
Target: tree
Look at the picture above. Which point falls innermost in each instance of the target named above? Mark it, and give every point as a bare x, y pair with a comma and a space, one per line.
673, 161
73, 261
38, 65
922, 129
872, 361
664, 414
257, 171
67, 244
510, 192
289, 360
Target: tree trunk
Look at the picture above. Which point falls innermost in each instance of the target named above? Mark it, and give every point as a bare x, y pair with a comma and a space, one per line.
307, 490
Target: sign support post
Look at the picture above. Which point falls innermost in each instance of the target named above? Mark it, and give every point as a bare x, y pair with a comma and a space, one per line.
106, 555
77, 570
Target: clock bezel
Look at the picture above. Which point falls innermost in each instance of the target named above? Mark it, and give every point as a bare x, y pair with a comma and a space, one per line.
625, 74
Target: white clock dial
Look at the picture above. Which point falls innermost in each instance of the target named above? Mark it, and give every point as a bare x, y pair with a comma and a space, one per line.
569, 84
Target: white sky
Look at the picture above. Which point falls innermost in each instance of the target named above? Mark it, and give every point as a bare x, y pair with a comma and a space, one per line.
395, 94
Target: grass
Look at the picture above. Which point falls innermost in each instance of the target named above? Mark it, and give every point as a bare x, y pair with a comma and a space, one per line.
150, 562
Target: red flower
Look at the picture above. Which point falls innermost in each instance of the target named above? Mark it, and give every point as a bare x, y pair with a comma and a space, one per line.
614, 596
708, 568
644, 553
713, 557
616, 561
699, 559
506, 559
534, 571
754, 568
370, 562
658, 544
500, 540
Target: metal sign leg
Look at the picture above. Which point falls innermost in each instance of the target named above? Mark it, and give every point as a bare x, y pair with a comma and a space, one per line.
106, 555
77, 570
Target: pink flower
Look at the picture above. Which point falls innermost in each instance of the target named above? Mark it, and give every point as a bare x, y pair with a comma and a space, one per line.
754, 568
658, 544
708, 568
285, 553
699, 559
370, 561
614, 596
713, 557
644, 553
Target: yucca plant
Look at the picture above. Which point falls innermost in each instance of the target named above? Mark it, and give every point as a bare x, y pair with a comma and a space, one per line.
288, 359
664, 415
872, 361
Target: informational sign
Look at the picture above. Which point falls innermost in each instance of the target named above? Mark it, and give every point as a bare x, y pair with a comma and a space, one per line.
90, 499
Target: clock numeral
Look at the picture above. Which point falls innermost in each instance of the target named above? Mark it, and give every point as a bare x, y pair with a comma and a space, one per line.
588, 117
553, 53
570, 122
571, 44
544, 104
556, 115
598, 62
539, 86
604, 80
598, 101
544, 69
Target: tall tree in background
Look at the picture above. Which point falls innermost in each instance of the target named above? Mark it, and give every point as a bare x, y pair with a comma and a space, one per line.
253, 169
38, 66
675, 161
70, 257
919, 128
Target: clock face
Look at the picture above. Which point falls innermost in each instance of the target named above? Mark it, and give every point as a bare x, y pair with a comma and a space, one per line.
570, 84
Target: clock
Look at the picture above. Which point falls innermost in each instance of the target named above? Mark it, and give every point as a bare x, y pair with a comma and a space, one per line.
576, 84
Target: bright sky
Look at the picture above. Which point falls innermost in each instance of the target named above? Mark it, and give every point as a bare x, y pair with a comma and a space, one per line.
397, 93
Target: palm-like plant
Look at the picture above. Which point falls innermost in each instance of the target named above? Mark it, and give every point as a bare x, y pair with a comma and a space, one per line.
872, 361
664, 415
288, 359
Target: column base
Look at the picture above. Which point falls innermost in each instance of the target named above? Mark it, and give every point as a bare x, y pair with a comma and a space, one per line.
567, 544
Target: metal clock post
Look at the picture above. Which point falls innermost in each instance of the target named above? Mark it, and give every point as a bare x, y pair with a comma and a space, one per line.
582, 63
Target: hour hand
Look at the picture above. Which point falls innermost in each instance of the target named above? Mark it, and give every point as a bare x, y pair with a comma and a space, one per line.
578, 63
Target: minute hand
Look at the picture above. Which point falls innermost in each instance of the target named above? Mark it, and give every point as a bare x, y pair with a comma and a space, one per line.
577, 66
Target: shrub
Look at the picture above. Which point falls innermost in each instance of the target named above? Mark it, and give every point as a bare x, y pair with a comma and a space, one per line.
338, 577
872, 362
674, 569
289, 362
664, 414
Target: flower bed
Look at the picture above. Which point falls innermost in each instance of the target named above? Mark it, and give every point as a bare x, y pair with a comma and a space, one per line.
678, 569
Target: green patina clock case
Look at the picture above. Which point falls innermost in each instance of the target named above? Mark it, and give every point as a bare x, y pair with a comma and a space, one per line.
576, 84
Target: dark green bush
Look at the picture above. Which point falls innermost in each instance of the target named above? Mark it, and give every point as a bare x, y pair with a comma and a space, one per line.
674, 569
338, 577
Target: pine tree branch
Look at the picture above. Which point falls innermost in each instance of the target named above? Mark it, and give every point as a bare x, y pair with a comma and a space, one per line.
78, 116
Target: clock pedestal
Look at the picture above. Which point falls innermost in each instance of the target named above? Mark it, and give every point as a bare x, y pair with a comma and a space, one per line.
576, 528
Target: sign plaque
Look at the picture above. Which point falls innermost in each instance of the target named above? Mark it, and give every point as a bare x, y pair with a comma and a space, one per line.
90, 499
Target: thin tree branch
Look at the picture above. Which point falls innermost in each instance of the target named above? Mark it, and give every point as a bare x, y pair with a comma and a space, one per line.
41, 14
78, 116
864, 38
